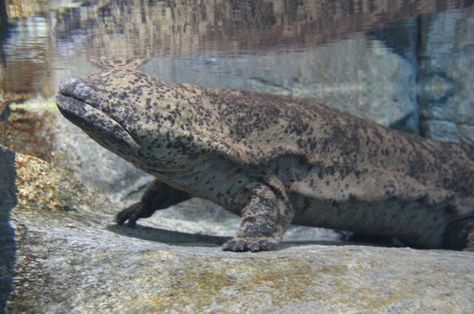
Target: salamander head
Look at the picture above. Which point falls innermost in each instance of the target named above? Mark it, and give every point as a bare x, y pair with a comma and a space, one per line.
134, 115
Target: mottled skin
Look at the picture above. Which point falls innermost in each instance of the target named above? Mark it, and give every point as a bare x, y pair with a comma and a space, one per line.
275, 160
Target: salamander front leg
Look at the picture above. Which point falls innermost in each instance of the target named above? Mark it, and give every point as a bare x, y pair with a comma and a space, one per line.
264, 221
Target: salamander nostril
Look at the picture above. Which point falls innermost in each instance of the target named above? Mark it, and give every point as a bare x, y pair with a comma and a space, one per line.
67, 85
75, 88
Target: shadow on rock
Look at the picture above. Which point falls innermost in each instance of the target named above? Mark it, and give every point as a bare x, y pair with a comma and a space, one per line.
171, 237
168, 236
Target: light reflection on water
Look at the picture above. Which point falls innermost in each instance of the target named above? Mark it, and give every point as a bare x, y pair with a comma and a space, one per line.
395, 62
25, 38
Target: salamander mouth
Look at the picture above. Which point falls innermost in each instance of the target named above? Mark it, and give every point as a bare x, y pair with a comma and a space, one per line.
95, 122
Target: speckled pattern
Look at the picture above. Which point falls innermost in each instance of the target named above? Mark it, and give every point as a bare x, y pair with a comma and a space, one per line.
275, 160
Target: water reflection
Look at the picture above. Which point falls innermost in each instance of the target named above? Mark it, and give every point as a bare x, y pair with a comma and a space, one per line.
364, 56
153, 28
184, 27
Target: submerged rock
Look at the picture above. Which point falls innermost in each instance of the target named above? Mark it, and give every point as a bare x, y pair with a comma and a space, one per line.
445, 73
72, 258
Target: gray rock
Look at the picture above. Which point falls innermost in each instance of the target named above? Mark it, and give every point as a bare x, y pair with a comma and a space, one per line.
7, 202
71, 259
446, 76
441, 130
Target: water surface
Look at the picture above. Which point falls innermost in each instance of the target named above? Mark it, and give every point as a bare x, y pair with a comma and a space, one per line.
405, 64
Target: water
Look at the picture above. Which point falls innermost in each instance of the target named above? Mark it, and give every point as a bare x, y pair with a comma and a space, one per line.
404, 64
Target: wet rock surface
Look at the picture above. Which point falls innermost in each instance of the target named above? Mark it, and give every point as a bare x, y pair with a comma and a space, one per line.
71, 258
